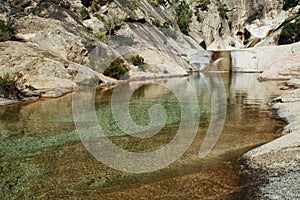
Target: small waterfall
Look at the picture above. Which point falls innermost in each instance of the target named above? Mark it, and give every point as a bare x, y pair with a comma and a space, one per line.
221, 61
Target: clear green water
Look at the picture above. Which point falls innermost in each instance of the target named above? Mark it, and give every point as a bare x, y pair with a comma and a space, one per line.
42, 156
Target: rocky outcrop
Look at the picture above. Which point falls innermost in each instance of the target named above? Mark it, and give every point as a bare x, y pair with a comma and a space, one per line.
282, 69
45, 71
80, 33
260, 59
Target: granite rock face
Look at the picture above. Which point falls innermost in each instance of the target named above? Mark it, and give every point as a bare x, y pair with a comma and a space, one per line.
262, 59
45, 71
283, 69
74, 31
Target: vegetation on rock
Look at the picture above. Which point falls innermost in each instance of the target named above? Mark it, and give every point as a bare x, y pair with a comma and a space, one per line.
101, 36
184, 15
290, 32
139, 61
290, 4
223, 10
9, 86
84, 13
132, 5
200, 18
88, 3
6, 32
113, 25
204, 5
117, 69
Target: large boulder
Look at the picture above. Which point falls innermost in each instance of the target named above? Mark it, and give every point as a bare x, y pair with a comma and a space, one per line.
260, 59
283, 69
44, 71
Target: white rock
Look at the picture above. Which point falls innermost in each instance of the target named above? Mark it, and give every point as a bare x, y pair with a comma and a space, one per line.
259, 59
94, 23
285, 68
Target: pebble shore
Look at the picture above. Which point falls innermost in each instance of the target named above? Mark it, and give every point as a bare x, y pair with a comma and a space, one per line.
277, 163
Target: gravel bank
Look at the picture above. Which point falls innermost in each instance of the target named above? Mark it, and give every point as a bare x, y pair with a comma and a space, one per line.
277, 164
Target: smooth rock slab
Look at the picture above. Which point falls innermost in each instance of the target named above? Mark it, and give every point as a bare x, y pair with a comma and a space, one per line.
286, 68
260, 59
6, 101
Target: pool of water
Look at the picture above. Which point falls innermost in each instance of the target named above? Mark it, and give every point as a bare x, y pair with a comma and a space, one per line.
43, 156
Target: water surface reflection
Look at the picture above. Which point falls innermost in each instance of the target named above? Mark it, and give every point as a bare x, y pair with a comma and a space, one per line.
42, 155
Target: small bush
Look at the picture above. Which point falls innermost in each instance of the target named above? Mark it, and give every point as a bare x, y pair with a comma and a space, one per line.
88, 3
290, 32
137, 60
223, 10
155, 22
200, 18
167, 24
184, 15
204, 5
290, 4
9, 86
6, 32
117, 69
132, 5
95, 6
84, 13
101, 36
113, 25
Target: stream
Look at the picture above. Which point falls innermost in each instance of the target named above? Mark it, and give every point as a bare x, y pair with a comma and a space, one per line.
43, 156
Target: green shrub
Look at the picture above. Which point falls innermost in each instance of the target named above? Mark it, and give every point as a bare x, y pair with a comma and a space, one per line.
101, 36
117, 69
132, 5
9, 86
290, 4
84, 13
167, 24
290, 32
88, 3
162, 2
137, 60
184, 15
96, 5
200, 18
223, 10
6, 32
204, 5
155, 22
113, 25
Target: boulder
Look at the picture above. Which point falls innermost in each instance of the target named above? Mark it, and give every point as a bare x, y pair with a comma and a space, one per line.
282, 69
259, 59
44, 71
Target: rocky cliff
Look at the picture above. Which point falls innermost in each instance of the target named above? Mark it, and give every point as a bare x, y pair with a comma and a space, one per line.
59, 44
